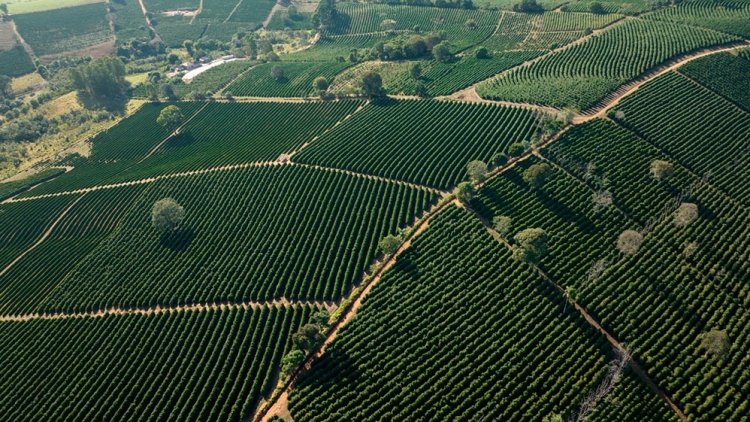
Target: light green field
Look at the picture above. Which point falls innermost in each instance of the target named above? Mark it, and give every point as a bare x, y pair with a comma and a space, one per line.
17, 7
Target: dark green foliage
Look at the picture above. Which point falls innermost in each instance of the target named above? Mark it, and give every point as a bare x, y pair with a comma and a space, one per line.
9, 189
248, 234
197, 365
67, 29
449, 324
699, 128
582, 75
101, 83
15, 62
427, 142
372, 85
295, 79
724, 73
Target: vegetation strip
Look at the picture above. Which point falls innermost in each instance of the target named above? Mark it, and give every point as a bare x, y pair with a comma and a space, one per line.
197, 307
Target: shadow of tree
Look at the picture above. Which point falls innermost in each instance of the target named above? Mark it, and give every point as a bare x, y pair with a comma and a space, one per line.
179, 240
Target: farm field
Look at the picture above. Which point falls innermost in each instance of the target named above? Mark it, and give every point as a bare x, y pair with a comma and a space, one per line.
452, 320
492, 210
291, 208
730, 16
113, 151
65, 30
670, 111
128, 20
295, 80
581, 76
372, 18
723, 74
238, 134
142, 365
431, 147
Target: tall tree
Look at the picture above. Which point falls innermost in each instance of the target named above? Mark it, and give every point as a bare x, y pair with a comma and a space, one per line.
101, 83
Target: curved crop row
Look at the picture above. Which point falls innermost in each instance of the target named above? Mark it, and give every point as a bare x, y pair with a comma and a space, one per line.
723, 73
249, 234
359, 18
22, 223
207, 365
732, 16
702, 130
426, 142
87, 223
456, 330
583, 74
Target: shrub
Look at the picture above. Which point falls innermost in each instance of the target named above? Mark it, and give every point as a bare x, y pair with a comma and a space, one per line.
685, 214
629, 242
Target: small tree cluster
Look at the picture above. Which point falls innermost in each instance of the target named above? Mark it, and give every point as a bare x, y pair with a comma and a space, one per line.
372, 85
415, 47
465, 192
306, 339
528, 6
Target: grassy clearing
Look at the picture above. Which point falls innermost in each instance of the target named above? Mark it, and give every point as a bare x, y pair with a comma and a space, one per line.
18, 7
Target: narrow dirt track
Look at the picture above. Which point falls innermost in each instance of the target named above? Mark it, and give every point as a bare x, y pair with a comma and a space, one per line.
229, 167
612, 100
148, 20
43, 237
280, 403
593, 322
330, 306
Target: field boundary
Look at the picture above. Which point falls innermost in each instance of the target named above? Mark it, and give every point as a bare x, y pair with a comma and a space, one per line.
154, 310
612, 99
44, 235
228, 167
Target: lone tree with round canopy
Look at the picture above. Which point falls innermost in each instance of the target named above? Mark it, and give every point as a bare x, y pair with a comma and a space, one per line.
661, 170
531, 245
629, 242
170, 117
686, 214
476, 170
389, 244
167, 216
537, 174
